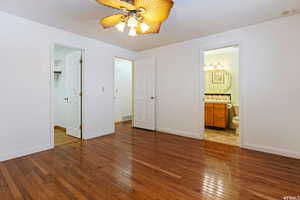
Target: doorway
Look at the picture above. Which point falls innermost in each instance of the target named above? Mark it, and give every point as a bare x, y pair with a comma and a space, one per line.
67, 94
221, 96
123, 91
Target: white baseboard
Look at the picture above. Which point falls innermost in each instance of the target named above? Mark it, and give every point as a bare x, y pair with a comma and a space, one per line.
25, 152
36, 149
181, 133
272, 150
282, 152
98, 134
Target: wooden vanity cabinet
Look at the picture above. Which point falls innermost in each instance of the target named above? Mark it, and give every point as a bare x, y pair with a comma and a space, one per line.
216, 115
209, 114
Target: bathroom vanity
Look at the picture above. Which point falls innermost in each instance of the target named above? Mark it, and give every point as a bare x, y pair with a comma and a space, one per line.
217, 98
216, 115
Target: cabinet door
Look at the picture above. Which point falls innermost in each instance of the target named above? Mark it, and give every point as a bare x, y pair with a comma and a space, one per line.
209, 114
220, 115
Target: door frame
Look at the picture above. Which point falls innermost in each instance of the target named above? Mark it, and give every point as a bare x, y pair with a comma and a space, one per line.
241, 84
132, 87
51, 100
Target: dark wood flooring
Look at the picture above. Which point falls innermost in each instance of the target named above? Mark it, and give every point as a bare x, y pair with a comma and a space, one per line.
145, 165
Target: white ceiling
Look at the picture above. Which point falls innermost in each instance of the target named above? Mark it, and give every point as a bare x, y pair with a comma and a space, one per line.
189, 18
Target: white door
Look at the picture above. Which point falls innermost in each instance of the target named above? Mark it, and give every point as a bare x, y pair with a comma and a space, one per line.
144, 93
73, 94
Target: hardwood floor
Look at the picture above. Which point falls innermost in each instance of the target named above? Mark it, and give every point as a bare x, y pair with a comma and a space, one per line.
61, 138
144, 165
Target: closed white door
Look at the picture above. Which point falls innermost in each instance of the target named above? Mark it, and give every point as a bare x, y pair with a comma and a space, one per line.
144, 93
73, 94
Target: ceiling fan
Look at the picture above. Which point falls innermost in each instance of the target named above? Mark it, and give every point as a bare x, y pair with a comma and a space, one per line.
141, 16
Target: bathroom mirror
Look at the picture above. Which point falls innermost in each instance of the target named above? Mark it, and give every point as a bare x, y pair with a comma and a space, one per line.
217, 81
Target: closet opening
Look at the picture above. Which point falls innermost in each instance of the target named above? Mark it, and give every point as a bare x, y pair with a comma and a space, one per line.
123, 92
67, 94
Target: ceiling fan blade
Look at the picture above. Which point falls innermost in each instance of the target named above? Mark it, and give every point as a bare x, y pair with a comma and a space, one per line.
155, 10
154, 27
111, 21
118, 4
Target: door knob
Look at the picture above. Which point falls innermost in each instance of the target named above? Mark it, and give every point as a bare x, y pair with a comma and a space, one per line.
152, 97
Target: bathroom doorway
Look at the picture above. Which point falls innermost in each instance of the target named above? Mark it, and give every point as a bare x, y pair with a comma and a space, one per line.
123, 91
67, 94
221, 96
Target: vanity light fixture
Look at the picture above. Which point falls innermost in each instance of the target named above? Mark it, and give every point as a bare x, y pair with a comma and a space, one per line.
208, 67
217, 66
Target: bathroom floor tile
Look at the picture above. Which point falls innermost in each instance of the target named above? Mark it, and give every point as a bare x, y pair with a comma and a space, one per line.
222, 136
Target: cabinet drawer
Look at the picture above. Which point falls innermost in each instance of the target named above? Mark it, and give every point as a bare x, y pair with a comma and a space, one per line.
209, 114
220, 106
220, 115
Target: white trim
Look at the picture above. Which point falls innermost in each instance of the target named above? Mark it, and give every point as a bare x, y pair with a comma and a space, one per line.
96, 134
155, 93
83, 111
24, 152
180, 133
51, 83
271, 150
241, 84
201, 105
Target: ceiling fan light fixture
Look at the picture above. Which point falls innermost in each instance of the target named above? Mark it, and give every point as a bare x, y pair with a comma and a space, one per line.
121, 26
144, 27
140, 16
132, 32
132, 22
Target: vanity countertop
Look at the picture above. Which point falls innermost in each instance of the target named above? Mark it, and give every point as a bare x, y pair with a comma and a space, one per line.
218, 101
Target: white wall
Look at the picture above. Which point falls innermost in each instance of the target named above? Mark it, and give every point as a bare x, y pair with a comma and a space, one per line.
25, 84
269, 85
123, 89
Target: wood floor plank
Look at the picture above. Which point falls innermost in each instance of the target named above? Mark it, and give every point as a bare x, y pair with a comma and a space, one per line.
11, 184
4, 188
72, 189
157, 168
